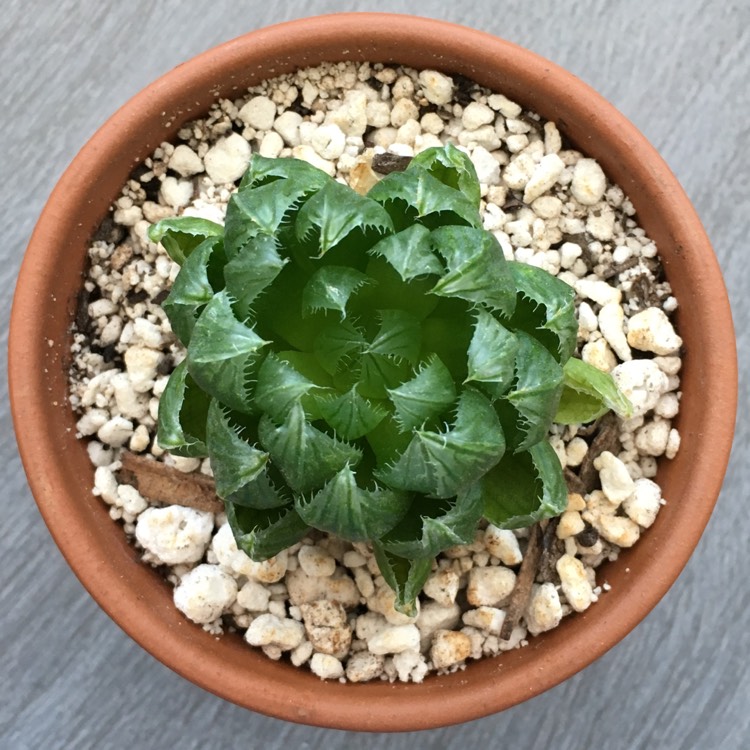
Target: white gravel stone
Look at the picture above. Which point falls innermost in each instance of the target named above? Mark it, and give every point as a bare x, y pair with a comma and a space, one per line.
185, 161
598, 354
611, 324
304, 588
598, 291
652, 438
449, 647
545, 610
115, 431
270, 630
589, 182
311, 156
651, 331
174, 535
489, 586
673, 444
329, 141
176, 193
228, 159
518, 173
575, 451
259, 113
438, 88
545, 175
617, 483
315, 561
575, 583
477, 114
442, 586
141, 364
503, 544
204, 593
394, 639
642, 382
271, 145
364, 666
487, 619
618, 530
434, 616
487, 167
569, 525
234, 560
326, 667
351, 117
254, 597
643, 506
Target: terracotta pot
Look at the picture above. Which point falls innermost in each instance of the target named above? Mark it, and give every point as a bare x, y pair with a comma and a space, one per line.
139, 600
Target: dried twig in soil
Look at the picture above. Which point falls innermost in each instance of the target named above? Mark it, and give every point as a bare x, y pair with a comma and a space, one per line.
550, 553
165, 484
519, 598
607, 438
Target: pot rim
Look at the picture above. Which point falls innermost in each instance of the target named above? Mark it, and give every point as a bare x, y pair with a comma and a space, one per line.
485, 687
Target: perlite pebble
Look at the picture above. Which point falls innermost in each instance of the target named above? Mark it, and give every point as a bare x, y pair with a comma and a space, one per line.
437, 87
205, 593
315, 561
644, 503
270, 630
651, 331
616, 481
503, 544
174, 534
442, 586
488, 619
589, 182
394, 639
326, 667
489, 586
185, 161
575, 583
642, 382
448, 648
544, 611
545, 175
258, 113
228, 159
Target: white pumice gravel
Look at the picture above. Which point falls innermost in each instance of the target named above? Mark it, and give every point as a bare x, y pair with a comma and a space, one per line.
323, 604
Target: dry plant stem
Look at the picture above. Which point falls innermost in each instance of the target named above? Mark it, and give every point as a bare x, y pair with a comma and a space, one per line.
519, 598
574, 482
157, 481
550, 553
607, 438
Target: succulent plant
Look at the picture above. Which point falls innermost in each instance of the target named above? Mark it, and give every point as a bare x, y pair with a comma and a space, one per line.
370, 366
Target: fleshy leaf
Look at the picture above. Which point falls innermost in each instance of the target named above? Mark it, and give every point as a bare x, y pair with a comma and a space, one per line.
330, 287
534, 395
405, 577
409, 252
492, 354
399, 336
441, 464
350, 512
260, 494
429, 393
525, 488
378, 373
350, 414
337, 342
279, 386
588, 393
180, 235
477, 269
193, 287
183, 409
261, 210
220, 364
234, 461
434, 525
335, 211
545, 309
252, 271
262, 534
452, 167
306, 457
263, 170
425, 197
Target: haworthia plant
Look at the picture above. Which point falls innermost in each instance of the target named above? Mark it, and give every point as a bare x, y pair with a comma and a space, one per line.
371, 366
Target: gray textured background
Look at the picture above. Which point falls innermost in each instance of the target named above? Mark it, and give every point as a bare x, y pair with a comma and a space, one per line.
679, 69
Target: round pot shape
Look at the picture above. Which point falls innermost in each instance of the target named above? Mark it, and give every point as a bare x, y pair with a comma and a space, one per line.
138, 599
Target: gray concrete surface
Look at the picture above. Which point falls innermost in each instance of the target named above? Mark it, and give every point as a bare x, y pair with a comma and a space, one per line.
72, 679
